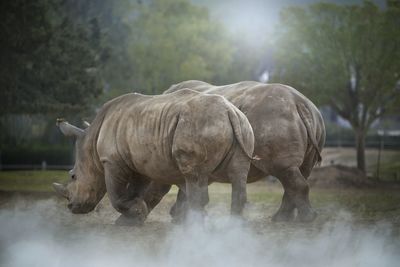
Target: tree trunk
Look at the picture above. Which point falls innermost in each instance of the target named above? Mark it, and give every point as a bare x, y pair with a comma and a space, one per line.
360, 146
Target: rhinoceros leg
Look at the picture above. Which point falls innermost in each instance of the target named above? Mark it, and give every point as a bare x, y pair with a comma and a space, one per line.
196, 191
237, 170
192, 196
197, 202
295, 196
154, 193
178, 209
286, 210
120, 190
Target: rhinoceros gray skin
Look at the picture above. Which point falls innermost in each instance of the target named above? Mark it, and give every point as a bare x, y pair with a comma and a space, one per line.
185, 138
289, 135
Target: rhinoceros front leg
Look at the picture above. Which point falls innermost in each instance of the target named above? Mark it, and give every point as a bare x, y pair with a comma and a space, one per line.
120, 191
177, 211
154, 193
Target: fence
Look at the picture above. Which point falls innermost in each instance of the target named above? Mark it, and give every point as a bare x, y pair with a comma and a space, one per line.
372, 141
61, 157
43, 166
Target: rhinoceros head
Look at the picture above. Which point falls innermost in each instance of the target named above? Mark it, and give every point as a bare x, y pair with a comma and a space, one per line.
86, 186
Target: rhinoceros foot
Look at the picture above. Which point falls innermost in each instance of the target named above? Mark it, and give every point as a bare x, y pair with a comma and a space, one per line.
124, 220
307, 216
179, 214
284, 216
183, 214
178, 211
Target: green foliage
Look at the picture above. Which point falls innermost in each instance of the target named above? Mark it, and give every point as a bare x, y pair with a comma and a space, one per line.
246, 60
65, 58
324, 47
35, 154
388, 170
109, 35
346, 56
175, 40
50, 64
63, 52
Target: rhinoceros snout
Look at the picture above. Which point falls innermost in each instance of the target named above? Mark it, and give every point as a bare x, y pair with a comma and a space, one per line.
80, 208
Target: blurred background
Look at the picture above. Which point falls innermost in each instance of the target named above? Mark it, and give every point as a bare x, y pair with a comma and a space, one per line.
65, 58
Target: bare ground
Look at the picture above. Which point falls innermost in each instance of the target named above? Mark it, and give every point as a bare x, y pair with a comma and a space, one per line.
38, 230
346, 156
263, 200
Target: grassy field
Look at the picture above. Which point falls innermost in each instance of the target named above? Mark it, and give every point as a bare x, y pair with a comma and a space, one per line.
363, 203
30, 181
40, 181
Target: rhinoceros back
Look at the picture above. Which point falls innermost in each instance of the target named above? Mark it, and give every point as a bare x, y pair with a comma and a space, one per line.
236, 93
141, 132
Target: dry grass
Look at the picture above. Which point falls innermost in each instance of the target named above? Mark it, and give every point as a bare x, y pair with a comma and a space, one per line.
389, 162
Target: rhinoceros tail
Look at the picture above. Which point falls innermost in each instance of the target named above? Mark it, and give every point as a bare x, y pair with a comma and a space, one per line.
243, 132
305, 117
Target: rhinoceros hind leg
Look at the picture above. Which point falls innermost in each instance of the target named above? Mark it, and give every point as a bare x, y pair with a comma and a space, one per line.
295, 196
286, 212
308, 216
237, 171
180, 210
280, 216
196, 193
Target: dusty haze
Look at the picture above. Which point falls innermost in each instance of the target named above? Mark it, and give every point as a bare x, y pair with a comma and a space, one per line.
44, 233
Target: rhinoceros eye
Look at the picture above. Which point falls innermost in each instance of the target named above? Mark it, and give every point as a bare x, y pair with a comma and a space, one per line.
73, 177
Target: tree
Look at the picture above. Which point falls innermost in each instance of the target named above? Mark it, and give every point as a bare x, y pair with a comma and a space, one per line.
174, 40
246, 63
48, 62
104, 21
347, 57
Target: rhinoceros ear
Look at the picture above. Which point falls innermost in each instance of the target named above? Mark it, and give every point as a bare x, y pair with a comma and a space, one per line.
60, 189
68, 129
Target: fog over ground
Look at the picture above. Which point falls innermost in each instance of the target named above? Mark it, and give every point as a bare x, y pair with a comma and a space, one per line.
44, 233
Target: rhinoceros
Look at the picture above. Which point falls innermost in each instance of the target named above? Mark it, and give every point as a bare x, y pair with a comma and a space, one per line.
289, 135
185, 138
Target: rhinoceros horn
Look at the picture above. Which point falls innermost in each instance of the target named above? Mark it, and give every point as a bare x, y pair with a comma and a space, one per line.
60, 189
68, 129
86, 124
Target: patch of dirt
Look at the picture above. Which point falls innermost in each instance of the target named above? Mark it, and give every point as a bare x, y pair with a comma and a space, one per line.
338, 176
